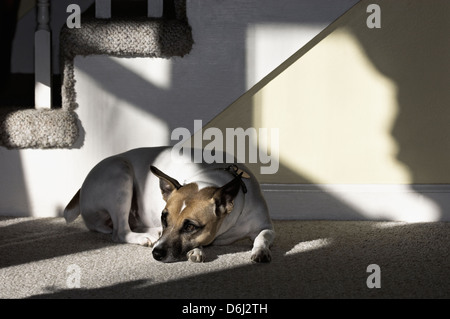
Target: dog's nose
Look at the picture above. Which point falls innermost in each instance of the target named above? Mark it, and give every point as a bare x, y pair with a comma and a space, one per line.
159, 253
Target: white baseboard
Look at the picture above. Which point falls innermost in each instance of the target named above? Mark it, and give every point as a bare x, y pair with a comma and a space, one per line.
408, 203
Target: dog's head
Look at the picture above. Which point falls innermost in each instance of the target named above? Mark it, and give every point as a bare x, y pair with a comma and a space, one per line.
192, 216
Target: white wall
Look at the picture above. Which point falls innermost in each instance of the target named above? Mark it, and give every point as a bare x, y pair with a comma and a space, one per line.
124, 105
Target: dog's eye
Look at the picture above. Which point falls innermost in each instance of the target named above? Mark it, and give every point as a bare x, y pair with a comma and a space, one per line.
189, 227
164, 215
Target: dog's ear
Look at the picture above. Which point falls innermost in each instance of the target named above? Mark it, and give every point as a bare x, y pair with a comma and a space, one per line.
167, 184
225, 195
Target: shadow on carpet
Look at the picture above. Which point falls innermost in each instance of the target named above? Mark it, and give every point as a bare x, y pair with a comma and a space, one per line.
45, 258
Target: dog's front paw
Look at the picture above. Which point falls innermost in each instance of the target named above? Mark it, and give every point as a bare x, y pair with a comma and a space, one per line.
196, 255
151, 240
261, 255
149, 243
135, 238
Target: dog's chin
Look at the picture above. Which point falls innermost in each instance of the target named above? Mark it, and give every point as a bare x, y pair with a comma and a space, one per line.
171, 259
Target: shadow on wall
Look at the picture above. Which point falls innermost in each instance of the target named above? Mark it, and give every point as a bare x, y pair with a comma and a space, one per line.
214, 74
363, 106
210, 78
412, 49
390, 44
202, 83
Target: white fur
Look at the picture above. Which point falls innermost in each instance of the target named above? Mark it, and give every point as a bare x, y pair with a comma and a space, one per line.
108, 189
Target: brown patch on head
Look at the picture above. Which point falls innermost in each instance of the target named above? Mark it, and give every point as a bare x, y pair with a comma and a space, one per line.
200, 211
192, 206
179, 198
191, 217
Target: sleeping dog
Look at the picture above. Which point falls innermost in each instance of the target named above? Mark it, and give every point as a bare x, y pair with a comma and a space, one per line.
153, 197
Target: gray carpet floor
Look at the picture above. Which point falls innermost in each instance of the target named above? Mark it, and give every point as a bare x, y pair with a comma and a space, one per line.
45, 258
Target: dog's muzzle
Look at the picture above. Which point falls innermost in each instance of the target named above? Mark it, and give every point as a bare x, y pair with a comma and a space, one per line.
171, 251
159, 253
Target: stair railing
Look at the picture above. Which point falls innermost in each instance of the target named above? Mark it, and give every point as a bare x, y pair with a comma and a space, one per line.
42, 57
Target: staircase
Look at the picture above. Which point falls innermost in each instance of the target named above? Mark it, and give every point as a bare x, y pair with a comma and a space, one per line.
120, 34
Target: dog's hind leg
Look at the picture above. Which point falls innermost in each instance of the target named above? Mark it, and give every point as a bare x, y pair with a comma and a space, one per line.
106, 201
120, 204
123, 234
98, 221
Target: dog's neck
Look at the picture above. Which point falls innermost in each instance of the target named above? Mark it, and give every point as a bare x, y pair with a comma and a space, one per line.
204, 178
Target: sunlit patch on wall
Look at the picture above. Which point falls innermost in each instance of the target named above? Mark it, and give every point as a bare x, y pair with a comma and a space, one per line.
270, 44
335, 111
154, 70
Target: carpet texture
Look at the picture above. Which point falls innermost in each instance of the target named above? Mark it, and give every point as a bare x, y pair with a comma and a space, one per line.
41, 258
31, 128
165, 37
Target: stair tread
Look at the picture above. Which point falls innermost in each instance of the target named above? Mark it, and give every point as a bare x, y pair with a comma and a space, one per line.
129, 37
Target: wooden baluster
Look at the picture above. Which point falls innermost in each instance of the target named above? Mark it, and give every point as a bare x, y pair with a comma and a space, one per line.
155, 8
42, 57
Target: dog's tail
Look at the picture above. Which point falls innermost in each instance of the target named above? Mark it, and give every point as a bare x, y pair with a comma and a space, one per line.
72, 210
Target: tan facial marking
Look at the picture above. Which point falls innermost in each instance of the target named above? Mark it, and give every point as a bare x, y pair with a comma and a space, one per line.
191, 217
